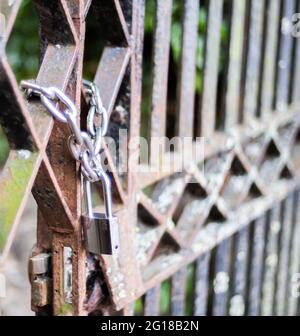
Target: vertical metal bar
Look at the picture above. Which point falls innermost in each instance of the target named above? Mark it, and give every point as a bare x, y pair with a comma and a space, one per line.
239, 277
285, 52
270, 58
67, 177
151, 304
160, 71
178, 292
296, 81
136, 10
253, 59
294, 267
256, 268
271, 261
57, 262
138, 17
201, 285
221, 279
235, 63
285, 243
186, 84
211, 68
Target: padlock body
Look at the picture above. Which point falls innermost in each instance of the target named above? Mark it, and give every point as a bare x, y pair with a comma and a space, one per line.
102, 234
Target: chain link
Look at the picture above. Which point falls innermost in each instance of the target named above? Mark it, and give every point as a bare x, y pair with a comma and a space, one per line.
96, 110
85, 147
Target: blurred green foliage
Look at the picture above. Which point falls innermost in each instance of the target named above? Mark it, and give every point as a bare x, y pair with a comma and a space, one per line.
23, 45
164, 298
94, 46
22, 52
4, 148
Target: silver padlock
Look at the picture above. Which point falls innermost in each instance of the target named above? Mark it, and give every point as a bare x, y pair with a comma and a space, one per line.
102, 231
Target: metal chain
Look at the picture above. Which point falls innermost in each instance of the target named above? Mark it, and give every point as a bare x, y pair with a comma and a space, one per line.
84, 146
96, 110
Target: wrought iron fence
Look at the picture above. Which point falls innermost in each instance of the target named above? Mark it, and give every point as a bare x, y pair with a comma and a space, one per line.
222, 236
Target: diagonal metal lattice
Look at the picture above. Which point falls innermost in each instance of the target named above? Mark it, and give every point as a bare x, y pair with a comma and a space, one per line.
37, 142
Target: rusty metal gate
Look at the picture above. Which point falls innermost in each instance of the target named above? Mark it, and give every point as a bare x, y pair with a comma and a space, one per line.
226, 244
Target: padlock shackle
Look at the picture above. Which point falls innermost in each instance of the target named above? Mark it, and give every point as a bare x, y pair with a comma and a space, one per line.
106, 187
88, 197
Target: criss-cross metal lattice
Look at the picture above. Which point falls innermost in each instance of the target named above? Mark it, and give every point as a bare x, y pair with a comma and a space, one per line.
30, 131
236, 226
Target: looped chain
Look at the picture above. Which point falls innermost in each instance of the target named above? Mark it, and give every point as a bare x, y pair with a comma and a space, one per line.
84, 146
97, 132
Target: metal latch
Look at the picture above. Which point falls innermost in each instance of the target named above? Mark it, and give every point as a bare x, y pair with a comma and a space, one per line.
41, 282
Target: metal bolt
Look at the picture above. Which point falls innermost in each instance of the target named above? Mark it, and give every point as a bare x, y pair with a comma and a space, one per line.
39, 264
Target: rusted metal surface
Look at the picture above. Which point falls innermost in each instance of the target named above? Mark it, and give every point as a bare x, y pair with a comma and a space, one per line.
160, 69
296, 66
253, 59
201, 285
239, 274
285, 244
237, 223
178, 292
270, 57
20, 135
186, 84
294, 257
256, 266
110, 74
211, 67
271, 260
151, 303
284, 60
235, 63
41, 292
220, 281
